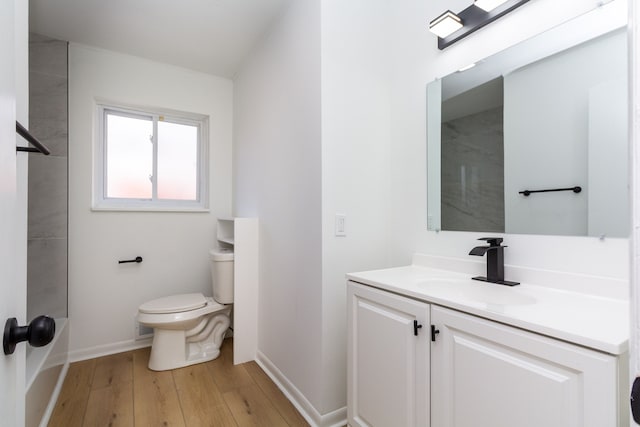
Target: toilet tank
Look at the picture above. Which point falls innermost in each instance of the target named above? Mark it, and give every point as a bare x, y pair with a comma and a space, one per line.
222, 274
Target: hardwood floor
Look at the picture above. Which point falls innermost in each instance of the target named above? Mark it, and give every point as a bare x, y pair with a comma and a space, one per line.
119, 390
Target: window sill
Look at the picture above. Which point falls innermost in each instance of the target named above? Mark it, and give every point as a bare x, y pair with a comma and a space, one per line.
183, 209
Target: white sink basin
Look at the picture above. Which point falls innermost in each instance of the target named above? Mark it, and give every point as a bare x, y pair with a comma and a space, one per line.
475, 291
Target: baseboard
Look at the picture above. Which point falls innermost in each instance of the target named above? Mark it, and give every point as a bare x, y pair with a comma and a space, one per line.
336, 418
107, 349
44, 422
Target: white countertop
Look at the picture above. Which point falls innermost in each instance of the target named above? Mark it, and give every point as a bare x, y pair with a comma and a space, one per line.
592, 321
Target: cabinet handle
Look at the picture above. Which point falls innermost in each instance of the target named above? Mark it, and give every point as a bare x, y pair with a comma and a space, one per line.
416, 326
434, 332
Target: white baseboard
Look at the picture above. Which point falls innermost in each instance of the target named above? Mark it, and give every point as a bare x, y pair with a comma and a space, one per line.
336, 418
44, 422
107, 349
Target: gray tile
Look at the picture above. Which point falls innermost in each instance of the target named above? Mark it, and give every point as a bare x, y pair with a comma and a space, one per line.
52, 133
47, 55
47, 97
47, 277
47, 196
472, 168
48, 92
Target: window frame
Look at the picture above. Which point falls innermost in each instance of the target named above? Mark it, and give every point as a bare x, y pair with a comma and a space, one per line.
100, 201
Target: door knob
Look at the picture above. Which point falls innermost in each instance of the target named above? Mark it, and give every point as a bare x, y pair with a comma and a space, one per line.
38, 333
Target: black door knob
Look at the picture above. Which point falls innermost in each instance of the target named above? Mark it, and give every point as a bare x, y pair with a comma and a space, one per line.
38, 333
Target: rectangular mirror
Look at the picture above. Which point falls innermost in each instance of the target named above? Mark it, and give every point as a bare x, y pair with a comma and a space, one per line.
510, 139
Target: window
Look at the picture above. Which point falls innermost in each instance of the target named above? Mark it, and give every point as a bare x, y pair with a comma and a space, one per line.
150, 160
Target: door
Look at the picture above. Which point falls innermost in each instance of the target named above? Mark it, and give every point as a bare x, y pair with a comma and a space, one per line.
388, 359
634, 141
12, 225
487, 374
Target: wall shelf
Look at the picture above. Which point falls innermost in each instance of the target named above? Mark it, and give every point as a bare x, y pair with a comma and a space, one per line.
241, 234
226, 232
228, 240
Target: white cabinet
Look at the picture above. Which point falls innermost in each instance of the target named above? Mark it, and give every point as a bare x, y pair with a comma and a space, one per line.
487, 374
476, 373
388, 359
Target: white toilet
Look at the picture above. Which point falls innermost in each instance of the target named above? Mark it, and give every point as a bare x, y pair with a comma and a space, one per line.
189, 328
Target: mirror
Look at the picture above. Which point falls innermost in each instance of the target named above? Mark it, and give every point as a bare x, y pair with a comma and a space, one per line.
547, 115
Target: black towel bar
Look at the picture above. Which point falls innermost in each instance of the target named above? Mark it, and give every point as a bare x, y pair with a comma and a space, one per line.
576, 190
39, 146
138, 259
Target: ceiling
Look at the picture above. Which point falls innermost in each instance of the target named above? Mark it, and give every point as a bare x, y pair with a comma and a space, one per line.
212, 36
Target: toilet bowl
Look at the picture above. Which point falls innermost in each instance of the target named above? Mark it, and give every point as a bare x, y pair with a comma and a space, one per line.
189, 328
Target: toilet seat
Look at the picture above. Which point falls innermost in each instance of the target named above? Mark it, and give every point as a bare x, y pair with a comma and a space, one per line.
182, 338
181, 319
174, 304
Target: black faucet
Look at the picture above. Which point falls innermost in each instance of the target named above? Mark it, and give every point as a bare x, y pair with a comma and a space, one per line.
495, 261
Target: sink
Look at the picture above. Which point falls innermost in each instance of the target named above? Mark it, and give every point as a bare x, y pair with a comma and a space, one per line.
473, 291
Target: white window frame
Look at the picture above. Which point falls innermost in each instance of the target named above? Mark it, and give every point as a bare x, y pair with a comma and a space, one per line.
102, 203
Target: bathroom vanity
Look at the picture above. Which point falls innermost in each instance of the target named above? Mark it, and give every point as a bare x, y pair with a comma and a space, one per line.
431, 347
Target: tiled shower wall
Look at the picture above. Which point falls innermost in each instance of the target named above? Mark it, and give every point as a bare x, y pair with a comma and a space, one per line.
473, 172
47, 232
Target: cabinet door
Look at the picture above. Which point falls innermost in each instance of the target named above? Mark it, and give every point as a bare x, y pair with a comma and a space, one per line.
487, 374
388, 364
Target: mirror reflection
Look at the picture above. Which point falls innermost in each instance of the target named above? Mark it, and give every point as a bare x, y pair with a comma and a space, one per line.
537, 116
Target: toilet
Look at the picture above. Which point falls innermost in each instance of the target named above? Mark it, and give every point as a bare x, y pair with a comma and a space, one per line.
189, 328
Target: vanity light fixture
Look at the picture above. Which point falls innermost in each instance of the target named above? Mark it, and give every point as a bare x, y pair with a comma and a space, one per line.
451, 27
445, 24
488, 5
468, 67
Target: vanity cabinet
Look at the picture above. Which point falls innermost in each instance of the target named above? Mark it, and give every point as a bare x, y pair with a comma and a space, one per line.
388, 359
462, 370
484, 373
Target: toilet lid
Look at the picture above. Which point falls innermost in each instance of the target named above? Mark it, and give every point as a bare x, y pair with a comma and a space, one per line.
174, 304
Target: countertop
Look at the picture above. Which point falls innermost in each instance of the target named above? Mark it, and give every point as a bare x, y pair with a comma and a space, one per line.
591, 321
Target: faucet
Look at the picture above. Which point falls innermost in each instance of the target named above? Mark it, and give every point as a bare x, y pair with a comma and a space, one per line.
495, 261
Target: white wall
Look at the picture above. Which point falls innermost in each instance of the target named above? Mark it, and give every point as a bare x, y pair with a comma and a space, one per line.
356, 147
295, 176
104, 296
417, 61
608, 159
277, 178
547, 142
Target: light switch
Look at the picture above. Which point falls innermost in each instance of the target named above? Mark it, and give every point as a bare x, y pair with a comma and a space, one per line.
341, 230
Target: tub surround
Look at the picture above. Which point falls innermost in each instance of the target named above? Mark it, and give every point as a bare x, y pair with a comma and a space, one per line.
595, 320
47, 226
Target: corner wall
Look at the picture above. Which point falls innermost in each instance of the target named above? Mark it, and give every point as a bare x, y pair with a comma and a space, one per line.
312, 140
277, 178
104, 296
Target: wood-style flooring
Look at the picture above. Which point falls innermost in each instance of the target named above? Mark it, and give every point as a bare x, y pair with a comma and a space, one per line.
119, 390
